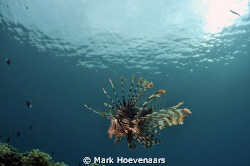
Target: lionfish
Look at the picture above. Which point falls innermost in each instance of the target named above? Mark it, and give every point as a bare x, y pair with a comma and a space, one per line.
139, 121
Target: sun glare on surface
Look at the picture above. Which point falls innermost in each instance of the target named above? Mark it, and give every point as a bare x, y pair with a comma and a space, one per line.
219, 14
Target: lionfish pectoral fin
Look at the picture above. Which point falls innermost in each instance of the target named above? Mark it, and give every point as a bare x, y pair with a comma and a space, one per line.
175, 107
153, 96
144, 112
164, 117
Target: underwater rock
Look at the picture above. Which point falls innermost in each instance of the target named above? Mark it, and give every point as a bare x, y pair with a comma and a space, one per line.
10, 156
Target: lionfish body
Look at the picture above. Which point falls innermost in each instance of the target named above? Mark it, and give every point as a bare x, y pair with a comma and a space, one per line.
139, 122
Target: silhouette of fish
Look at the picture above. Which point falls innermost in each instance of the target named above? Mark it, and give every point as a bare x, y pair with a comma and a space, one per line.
28, 104
235, 13
19, 135
8, 61
8, 140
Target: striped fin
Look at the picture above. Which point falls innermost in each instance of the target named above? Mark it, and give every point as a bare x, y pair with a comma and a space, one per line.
131, 87
123, 97
91, 109
104, 114
136, 91
113, 102
145, 85
116, 96
144, 112
100, 112
140, 93
146, 139
176, 106
164, 118
152, 97
111, 112
109, 106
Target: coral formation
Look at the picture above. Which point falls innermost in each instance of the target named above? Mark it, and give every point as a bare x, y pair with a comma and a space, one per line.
10, 156
94, 164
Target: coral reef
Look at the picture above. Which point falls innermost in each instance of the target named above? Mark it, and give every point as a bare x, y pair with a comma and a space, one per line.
94, 164
10, 156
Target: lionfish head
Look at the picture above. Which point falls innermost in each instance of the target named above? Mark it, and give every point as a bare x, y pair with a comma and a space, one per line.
115, 128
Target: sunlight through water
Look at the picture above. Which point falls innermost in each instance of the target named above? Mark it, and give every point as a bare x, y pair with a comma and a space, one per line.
218, 17
131, 34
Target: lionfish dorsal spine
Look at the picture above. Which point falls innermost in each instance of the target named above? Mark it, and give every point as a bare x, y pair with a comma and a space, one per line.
136, 91
130, 89
116, 96
91, 109
111, 112
109, 106
123, 97
112, 101
142, 90
139, 88
103, 114
100, 112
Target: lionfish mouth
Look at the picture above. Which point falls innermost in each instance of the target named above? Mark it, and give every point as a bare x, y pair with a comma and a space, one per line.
136, 121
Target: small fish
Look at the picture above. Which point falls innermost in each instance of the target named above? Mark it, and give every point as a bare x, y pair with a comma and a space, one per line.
8, 61
27, 7
28, 104
235, 13
19, 135
52, 153
0, 136
8, 140
31, 127
79, 164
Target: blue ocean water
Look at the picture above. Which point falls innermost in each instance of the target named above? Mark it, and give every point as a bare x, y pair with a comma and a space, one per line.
62, 54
